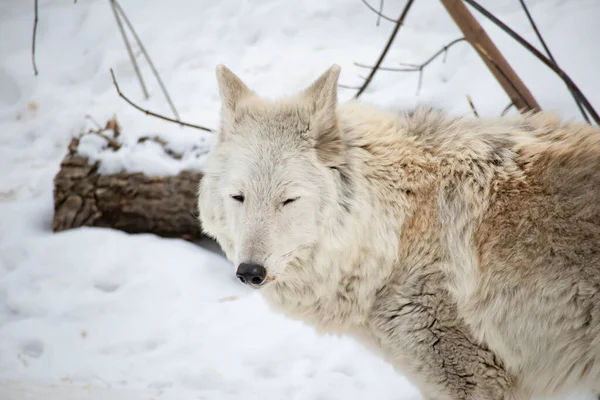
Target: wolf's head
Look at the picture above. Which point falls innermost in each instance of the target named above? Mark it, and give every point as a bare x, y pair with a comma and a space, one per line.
271, 182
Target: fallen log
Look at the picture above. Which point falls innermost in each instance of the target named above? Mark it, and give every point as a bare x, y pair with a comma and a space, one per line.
131, 202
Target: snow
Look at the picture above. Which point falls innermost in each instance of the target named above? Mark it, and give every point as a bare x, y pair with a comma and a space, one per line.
97, 313
147, 154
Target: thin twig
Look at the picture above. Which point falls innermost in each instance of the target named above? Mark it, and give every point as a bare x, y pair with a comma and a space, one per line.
147, 112
566, 79
543, 42
535, 28
399, 23
378, 12
113, 144
420, 82
417, 67
143, 49
472, 106
35, 23
98, 126
409, 65
443, 50
341, 85
409, 68
508, 107
128, 46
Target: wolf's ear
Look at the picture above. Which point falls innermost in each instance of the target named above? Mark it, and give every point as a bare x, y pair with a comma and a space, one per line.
323, 92
231, 87
321, 97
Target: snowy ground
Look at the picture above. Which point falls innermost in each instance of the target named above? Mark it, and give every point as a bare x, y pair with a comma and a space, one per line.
98, 314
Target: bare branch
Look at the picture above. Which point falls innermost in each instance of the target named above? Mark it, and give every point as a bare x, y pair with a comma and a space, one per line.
143, 49
417, 67
147, 112
35, 23
501, 72
543, 42
399, 23
472, 106
128, 46
566, 79
378, 12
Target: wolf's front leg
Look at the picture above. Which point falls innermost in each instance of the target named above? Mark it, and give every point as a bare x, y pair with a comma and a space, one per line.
420, 333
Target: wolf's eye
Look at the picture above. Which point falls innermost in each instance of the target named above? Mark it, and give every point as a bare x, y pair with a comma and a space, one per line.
238, 197
288, 201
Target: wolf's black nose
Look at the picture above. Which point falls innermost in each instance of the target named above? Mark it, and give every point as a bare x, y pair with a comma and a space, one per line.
251, 274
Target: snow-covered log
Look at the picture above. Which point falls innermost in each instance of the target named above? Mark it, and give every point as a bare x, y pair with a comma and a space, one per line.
133, 202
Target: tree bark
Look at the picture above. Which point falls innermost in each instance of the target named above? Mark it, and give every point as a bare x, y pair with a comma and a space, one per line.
491, 56
131, 202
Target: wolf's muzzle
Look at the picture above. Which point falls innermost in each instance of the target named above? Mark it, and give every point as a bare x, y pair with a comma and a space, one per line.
251, 274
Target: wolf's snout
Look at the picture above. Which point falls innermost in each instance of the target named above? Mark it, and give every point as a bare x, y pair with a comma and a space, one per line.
251, 274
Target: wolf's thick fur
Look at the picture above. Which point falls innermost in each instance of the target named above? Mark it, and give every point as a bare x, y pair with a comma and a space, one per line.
465, 251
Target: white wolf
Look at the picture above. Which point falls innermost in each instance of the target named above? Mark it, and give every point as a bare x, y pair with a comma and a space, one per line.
464, 251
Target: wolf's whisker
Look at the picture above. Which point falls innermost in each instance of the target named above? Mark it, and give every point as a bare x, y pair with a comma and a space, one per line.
296, 249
